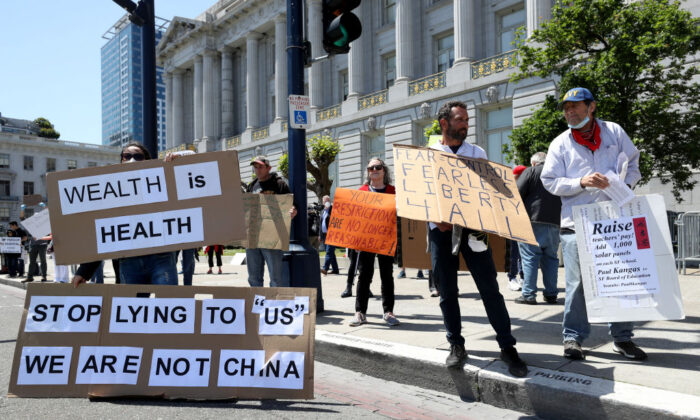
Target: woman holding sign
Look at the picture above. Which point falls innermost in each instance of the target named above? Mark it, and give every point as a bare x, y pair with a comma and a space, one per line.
379, 181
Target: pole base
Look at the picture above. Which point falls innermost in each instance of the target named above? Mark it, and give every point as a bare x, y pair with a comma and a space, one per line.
304, 269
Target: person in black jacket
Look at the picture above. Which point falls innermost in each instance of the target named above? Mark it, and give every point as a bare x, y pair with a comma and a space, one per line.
544, 210
330, 261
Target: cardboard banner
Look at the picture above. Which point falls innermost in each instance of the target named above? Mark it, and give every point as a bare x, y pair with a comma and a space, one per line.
10, 245
414, 244
165, 341
627, 262
38, 225
32, 200
267, 221
145, 207
436, 186
362, 220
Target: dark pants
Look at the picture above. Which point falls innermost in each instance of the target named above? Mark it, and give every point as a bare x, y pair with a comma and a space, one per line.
34, 252
330, 262
386, 273
352, 269
483, 271
115, 266
211, 256
188, 266
12, 261
516, 266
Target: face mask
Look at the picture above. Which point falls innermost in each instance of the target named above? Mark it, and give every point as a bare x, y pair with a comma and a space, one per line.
581, 124
327, 205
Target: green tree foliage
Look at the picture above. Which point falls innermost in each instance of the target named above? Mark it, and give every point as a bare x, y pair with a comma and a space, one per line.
46, 128
321, 152
634, 58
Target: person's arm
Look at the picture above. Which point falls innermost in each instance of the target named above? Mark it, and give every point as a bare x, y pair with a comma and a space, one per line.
85, 272
554, 173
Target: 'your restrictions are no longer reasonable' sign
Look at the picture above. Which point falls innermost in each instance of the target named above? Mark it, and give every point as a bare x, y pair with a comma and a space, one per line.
172, 342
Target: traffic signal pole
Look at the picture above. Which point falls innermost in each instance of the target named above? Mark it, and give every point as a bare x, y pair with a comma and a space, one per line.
302, 260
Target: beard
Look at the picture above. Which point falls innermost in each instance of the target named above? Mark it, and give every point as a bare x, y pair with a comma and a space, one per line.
456, 134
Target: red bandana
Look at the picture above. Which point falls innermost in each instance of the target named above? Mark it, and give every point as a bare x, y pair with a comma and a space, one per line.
590, 139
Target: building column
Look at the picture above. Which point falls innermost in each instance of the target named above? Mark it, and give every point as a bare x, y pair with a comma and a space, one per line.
197, 98
404, 40
168, 109
356, 62
177, 121
210, 110
464, 25
316, 38
537, 11
281, 93
252, 80
226, 92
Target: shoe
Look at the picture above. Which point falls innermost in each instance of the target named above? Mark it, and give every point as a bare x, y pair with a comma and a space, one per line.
347, 292
209, 272
629, 350
526, 301
43, 279
550, 299
180, 272
572, 350
28, 280
420, 274
324, 271
514, 285
457, 356
335, 272
434, 293
358, 320
390, 319
402, 274
371, 294
220, 272
516, 366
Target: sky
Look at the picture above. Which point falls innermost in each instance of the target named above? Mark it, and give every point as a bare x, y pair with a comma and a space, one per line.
50, 59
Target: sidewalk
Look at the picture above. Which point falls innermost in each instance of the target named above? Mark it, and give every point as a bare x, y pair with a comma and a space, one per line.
604, 385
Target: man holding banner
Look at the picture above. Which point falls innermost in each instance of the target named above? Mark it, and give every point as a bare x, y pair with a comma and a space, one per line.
447, 240
574, 170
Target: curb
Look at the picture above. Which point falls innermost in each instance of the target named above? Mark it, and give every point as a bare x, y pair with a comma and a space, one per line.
544, 393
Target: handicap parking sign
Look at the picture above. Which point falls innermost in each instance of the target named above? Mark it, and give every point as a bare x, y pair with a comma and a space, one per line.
300, 117
299, 108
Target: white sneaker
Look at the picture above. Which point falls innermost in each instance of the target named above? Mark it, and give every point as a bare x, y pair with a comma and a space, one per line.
514, 285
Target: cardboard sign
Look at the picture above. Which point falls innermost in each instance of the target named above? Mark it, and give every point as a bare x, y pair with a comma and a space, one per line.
106, 341
627, 263
32, 200
299, 110
362, 220
38, 225
267, 220
145, 207
10, 245
414, 245
435, 186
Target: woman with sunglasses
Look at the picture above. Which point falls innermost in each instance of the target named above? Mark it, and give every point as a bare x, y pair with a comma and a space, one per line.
378, 181
144, 269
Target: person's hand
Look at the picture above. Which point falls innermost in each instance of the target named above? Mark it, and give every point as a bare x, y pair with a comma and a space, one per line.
169, 157
77, 280
293, 212
444, 226
596, 180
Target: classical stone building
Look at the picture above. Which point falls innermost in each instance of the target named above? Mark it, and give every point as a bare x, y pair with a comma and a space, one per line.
226, 77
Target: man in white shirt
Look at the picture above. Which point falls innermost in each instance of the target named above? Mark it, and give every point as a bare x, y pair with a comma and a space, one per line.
573, 170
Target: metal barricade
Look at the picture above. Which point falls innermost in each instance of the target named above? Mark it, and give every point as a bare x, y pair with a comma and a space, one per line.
688, 239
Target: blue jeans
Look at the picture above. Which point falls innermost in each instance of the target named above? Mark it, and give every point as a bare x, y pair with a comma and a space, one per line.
255, 261
575, 324
544, 256
149, 269
330, 261
187, 266
483, 271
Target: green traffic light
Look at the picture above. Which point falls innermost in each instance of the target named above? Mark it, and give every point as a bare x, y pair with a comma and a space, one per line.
344, 40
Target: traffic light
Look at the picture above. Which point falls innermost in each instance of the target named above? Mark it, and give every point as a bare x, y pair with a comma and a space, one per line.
340, 27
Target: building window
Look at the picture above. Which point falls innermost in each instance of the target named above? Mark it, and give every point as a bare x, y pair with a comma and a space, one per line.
499, 125
389, 70
508, 25
28, 188
4, 214
72, 164
374, 147
344, 85
29, 163
388, 12
4, 160
50, 164
445, 52
4, 188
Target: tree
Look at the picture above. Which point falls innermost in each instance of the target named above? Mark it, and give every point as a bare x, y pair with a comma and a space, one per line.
634, 58
321, 151
46, 128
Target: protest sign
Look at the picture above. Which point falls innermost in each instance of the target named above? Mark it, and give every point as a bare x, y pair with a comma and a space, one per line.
436, 186
267, 221
38, 225
10, 245
627, 262
176, 342
414, 246
32, 200
362, 220
145, 207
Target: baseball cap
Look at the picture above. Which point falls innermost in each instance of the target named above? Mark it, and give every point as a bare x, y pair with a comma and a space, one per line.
576, 94
261, 160
519, 169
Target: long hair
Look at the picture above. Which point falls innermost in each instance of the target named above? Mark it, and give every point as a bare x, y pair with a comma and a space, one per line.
387, 176
138, 145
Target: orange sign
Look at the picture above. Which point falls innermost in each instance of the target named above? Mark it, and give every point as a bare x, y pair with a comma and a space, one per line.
365, 221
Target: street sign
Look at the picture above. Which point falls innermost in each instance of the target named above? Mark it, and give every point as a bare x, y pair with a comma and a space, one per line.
299, 111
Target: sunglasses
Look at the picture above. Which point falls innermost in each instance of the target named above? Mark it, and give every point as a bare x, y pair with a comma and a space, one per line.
135, 156
375, 168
